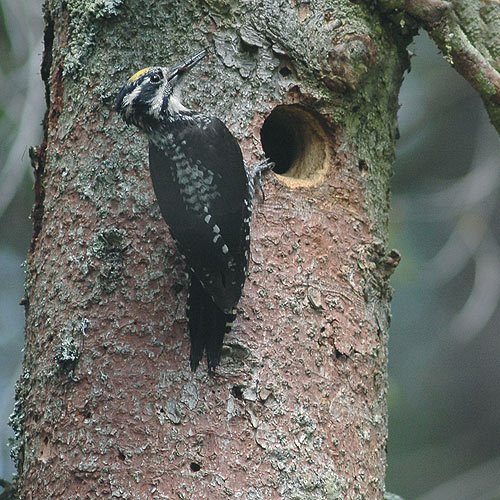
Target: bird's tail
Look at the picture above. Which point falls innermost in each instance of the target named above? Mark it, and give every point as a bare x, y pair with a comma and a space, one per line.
207, 326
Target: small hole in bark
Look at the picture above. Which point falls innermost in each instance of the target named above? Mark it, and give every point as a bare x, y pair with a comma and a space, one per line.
45, 450
339, 355
362, 165
295, 139
237, 391
121, 455
195, 467
285, 71
246, 47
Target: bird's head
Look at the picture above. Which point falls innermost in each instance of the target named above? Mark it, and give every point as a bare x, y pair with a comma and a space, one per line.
152, 94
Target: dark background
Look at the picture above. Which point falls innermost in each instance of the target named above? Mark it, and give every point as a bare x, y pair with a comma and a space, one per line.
444, 399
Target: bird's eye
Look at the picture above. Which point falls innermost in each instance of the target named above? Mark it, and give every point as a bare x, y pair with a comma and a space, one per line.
155, 78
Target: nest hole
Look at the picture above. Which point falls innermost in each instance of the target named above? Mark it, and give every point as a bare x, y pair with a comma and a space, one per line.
295, 139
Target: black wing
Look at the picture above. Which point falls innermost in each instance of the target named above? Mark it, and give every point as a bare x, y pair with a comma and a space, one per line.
201, 184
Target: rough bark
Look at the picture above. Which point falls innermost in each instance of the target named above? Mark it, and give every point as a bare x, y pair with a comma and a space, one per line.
107, 406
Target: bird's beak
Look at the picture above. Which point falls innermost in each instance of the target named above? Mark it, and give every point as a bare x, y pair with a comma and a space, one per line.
186, 65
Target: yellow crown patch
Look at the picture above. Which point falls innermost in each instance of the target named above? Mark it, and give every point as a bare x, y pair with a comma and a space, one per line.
134, 77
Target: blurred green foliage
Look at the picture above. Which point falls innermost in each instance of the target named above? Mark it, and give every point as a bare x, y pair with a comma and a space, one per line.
444, 403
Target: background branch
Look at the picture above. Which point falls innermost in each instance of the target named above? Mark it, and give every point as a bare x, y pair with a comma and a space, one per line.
467, 33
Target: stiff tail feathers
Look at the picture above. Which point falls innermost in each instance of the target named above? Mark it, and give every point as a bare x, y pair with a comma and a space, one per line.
207, 326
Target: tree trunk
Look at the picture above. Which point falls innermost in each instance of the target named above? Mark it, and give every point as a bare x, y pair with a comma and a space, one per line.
107, 406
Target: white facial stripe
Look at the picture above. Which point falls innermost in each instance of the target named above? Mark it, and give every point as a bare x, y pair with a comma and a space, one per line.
175, 106
174, 103
130, 98
157, 101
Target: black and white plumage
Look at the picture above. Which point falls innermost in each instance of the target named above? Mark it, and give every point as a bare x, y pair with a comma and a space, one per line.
205, 196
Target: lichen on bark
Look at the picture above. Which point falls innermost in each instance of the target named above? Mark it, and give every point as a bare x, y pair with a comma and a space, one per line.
297, 408
467, 34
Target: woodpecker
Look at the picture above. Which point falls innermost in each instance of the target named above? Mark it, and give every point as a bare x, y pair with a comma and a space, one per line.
205, 194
